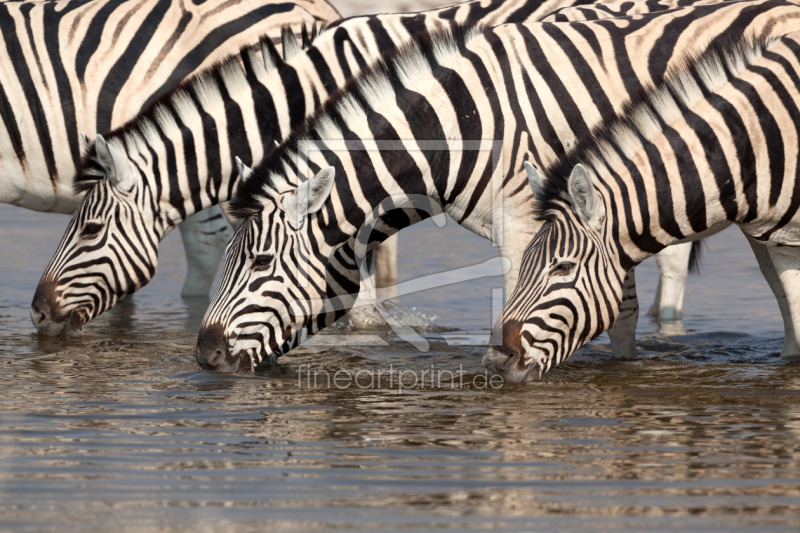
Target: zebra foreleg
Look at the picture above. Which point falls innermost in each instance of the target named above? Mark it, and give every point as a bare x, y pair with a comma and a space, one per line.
385, 265
673, 266
205, 235
779, 267
379, 285
623, 332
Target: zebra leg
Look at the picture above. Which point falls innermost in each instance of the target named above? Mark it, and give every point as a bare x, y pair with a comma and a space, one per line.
770, 269
673, 265
205, 235
385, 264
623, 332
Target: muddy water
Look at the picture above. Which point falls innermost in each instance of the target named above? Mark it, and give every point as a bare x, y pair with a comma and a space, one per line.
119, 430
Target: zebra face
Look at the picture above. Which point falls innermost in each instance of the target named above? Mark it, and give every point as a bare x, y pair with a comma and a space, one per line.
109, 250
569, 287
273, 284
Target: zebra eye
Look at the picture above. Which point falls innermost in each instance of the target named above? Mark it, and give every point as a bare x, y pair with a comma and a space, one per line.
262, 261
90, 229
563, 268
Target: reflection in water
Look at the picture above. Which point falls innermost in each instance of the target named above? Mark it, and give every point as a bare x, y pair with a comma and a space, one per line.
598, 443
671, 328
120, 429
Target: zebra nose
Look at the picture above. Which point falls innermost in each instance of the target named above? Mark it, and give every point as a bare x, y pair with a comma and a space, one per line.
46, 314
212, 349
507, 338
506, 356
43, 302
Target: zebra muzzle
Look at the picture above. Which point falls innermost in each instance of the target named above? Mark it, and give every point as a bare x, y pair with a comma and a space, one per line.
48, 317
507, 357
213, 353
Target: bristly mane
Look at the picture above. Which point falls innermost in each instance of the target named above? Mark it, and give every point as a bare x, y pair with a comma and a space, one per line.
260, 58
649, 113
366, 93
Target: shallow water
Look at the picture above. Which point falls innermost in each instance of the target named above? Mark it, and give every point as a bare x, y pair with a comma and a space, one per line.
120, 430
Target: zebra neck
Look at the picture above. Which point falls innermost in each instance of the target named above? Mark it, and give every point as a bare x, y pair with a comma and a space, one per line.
243, 115
252, 108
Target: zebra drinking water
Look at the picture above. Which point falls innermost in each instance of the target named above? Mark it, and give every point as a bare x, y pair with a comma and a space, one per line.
177, 158
76, 66
716, 143
425, 130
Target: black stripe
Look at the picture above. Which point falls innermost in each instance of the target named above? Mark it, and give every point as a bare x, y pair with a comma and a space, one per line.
119, 73
91, 40
14, 48
212, 41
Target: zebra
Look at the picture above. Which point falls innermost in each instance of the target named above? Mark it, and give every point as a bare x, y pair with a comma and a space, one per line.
83, 280
177, 157
714, 144
419, 132
76, 66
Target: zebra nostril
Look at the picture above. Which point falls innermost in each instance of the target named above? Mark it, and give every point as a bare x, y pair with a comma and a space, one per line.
212, 348
43, 303
37, 314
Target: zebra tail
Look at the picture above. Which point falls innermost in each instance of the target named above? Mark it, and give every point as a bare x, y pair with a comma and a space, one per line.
696, 257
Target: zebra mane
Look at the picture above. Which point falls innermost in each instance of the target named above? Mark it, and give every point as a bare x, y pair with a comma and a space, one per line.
351, 105
649, 113
160, 118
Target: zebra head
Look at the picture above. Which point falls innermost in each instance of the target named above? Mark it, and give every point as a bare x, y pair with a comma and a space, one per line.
110, 247
274, 280
569, 287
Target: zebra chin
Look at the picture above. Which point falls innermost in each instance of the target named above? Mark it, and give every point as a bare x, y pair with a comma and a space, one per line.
48, 317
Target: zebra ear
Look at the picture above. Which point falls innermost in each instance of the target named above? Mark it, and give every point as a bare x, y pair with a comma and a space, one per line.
243, 170
535, 179
309, 196
580, 188
291, 46
84, 143
118, 173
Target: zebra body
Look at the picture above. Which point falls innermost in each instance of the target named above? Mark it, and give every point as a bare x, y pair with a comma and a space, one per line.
179, 155
714, 144
431, 123
72, 66
86, 66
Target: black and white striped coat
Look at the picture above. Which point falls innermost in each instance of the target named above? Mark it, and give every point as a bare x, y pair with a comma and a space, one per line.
73, 66
178, 157
451, 122
716, 143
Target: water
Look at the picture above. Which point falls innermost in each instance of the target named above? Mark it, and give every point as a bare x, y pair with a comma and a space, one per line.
120, 431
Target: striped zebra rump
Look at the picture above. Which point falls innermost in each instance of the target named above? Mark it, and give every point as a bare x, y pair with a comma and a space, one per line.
713, 144
444, 112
